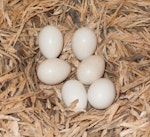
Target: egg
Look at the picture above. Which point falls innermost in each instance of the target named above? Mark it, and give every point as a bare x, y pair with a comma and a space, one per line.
73, 90
83, 43
53, 71
90, 69
50, 41
101, 93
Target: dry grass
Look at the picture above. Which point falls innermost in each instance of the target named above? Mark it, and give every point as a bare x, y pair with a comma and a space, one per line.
29, 108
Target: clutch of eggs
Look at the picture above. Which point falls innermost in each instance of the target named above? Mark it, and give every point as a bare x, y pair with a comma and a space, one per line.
101, 92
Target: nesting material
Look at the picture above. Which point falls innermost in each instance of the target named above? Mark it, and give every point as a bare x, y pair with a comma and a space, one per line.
29, 108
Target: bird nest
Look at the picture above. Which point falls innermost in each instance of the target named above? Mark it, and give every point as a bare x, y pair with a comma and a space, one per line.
29, 108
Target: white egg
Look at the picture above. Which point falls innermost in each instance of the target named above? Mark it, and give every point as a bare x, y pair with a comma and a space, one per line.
101, 93
53, 71
73, 90
50, 41
84, 43
91, 69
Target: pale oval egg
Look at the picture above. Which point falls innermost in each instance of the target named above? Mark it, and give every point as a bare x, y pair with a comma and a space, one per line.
101, 93
91, 69
83, 43
50, 41
73, 90
53, 71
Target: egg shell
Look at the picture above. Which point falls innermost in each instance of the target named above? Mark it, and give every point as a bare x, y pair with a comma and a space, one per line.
91, 69
50, 41
73, 90
53, 71
101, 93
84, 43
